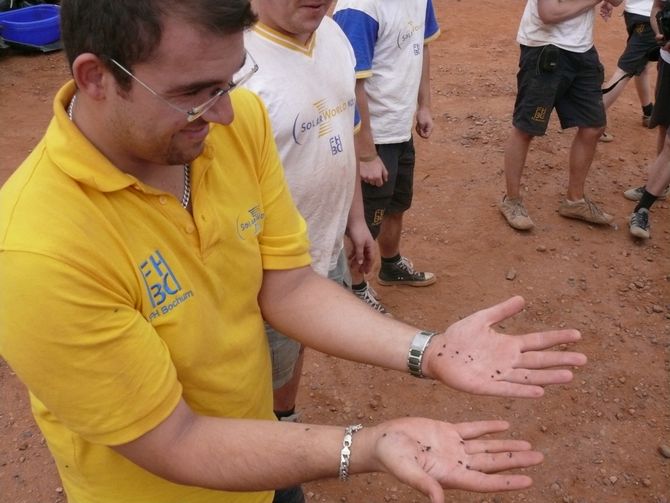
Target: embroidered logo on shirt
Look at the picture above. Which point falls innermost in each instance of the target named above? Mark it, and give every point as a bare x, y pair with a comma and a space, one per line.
406, 35
163, 288
319, 124
250, 224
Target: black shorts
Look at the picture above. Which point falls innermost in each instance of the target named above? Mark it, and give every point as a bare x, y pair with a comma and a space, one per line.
573, 88
641, 46
661, 114
395, 196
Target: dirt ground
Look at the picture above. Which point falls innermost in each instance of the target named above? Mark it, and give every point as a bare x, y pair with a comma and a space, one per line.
601, 434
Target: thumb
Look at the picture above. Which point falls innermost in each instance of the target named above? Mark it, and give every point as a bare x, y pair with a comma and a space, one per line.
417, 478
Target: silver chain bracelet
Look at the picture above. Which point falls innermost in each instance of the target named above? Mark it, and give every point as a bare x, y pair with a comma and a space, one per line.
345, 453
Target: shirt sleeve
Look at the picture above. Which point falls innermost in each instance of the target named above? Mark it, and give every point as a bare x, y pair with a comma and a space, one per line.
284, 242
432, 28
362, 31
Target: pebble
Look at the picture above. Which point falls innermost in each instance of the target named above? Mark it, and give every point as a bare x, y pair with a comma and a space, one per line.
511, 275
664, 450
646, 482
656, 308
541, 248
613, 479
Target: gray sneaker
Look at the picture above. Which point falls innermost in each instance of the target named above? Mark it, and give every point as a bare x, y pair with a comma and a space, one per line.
369, 296
635, 194
515, 213
639, 224
585, 210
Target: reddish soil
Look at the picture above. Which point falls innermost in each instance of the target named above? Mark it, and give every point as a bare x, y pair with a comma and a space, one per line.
601, 433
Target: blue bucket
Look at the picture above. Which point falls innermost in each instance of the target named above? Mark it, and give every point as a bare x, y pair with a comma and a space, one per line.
35, 25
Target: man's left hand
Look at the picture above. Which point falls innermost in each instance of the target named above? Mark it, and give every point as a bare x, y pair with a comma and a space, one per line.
471, 356
424, 122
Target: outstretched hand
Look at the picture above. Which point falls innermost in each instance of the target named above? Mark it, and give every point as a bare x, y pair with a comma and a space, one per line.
432, 456
471, 356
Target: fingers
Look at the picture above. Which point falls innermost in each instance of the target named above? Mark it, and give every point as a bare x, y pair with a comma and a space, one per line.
477, 446
503, 310
547, 359
500, 461
475, 429
472, 480
539, 377
543, 340
417, 478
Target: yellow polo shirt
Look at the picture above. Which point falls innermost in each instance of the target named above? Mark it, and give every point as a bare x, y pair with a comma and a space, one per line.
115, 301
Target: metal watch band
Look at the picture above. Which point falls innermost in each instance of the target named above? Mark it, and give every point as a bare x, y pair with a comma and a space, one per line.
416, 350
345, 453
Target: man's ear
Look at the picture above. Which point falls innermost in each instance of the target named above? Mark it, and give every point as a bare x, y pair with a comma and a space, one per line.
91, 75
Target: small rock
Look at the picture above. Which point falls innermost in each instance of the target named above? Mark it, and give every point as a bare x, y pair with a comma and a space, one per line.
541, 248
613, 479
656, 308
59, 490
511, 275
646, 482
664, 450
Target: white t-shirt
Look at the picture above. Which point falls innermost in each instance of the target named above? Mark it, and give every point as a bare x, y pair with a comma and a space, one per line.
388, 38
309, 91
574, 35
641, 7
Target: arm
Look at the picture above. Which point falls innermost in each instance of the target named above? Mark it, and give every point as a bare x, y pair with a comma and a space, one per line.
469, 356
557, 11
372, 169
239, 455
424, 118
362, 253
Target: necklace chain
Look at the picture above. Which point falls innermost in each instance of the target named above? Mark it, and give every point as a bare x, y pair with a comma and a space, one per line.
186, 194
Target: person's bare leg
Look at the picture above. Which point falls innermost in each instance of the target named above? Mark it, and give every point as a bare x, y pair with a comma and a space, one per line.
285, 397
659, 171
581, 156
516, 152
612, 95
643, 86
389, 235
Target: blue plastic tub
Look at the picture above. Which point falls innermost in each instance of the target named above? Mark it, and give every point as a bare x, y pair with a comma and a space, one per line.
35, 25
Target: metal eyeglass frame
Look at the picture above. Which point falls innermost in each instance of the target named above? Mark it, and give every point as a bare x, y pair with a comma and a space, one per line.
197, 111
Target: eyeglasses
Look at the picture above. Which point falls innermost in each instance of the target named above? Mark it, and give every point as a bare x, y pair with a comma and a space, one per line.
241, 76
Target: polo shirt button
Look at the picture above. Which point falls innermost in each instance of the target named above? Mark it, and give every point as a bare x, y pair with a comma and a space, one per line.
189, 228
162, 200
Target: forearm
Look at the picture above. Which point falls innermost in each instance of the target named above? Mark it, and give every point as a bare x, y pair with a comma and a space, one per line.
364, 141
326, 317
356, 212
557, 11
424, 98
652, 16
242, 455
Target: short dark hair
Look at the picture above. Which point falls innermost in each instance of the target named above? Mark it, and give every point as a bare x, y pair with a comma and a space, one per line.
130, 31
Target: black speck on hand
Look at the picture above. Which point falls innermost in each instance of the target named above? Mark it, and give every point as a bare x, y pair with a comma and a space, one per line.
439, 354
307, 429
498, 372
467, 467
460, 462
458, 352
509, 454
383, 434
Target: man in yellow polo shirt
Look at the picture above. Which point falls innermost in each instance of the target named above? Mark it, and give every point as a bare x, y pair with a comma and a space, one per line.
142, 242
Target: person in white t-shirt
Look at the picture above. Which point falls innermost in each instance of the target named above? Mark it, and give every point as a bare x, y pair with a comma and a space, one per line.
390, 40
558, 68
312, 109
636, 59
659, 172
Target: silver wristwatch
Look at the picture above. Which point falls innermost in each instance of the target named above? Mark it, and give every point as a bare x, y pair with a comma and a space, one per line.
416, 350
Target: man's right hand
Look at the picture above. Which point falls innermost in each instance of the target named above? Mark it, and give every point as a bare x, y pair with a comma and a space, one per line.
374, 172
433, 455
